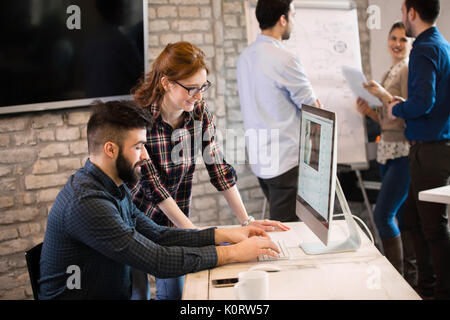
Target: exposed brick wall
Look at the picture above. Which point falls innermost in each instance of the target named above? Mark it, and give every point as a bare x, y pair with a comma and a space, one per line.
39, 151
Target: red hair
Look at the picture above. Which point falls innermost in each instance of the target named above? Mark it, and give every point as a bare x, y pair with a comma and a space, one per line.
177, 61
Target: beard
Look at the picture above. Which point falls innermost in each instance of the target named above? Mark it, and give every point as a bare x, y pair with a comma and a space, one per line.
408, 29
286, 35
126, 171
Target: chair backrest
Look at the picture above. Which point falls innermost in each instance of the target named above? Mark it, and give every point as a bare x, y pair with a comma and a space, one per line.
33, 257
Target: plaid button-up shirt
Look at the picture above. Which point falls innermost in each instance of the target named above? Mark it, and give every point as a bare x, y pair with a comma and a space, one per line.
94, 225
173, 155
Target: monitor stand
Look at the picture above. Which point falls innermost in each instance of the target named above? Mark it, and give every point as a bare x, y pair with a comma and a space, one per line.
353, 241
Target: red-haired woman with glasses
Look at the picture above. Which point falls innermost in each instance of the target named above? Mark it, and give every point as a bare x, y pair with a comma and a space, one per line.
183, 126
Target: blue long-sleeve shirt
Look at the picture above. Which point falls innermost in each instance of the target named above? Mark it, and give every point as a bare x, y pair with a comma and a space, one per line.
95, 226
427, 110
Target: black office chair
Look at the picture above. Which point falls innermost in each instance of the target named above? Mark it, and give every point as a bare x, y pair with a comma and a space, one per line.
33, 256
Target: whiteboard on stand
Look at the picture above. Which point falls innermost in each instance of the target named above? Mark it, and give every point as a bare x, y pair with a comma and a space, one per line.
326, 37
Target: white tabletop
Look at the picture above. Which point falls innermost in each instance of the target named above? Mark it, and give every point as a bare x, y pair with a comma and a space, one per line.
364, 274
439, 195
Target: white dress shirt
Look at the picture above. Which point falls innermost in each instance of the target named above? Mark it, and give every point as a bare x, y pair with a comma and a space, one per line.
272, 88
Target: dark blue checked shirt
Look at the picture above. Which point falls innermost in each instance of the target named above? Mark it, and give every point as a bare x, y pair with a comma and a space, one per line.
95, 226
427, 110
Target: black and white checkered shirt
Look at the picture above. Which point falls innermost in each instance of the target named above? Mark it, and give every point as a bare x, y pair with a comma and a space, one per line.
95, 226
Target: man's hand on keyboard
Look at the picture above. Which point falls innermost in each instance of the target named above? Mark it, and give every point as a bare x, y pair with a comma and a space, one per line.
269, 225
247, 250
283, 253
236, 235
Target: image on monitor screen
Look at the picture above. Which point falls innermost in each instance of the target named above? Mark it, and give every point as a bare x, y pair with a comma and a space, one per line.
312, 144
317, 170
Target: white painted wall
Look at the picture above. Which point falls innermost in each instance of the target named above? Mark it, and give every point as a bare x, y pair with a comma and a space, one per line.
390, 13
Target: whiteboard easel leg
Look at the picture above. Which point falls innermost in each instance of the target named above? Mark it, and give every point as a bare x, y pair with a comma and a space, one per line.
369, 208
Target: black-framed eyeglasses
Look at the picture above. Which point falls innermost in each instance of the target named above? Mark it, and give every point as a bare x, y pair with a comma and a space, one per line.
194, 91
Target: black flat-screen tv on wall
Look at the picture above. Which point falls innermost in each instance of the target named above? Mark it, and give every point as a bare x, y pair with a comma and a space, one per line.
58, 54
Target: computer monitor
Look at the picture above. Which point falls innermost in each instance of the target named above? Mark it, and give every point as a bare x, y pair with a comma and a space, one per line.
317, 182
316, 170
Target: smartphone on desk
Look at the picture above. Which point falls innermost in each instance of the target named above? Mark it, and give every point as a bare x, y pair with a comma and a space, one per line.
228, 282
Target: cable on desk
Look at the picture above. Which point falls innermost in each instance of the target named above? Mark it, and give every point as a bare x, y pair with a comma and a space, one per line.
362, 222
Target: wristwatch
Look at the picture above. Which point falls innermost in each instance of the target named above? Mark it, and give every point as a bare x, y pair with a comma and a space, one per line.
248, 221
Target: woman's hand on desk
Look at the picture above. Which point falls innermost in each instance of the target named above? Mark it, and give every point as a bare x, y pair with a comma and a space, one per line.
269, 225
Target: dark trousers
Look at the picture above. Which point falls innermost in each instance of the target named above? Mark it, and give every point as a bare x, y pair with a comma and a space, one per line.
281, 193
428, 221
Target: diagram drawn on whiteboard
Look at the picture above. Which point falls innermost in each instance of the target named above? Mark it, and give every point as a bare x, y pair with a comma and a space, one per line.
325, 40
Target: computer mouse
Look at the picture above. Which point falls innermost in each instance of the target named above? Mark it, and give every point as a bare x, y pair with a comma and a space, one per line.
266, 267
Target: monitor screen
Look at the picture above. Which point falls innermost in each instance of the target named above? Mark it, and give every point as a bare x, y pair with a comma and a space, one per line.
317, 169
61, 53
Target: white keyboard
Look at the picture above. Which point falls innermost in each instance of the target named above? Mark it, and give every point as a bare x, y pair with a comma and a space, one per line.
283, 255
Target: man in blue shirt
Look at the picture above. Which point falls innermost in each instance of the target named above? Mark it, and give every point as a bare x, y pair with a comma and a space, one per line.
427, 117
96, 236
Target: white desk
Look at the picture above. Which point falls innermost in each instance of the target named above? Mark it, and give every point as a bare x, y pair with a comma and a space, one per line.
439, 195
364, 274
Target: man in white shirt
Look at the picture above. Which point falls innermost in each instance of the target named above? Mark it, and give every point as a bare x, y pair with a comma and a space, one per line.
272, 88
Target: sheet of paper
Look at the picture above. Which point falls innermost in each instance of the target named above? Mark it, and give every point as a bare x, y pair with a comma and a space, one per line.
355, 79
